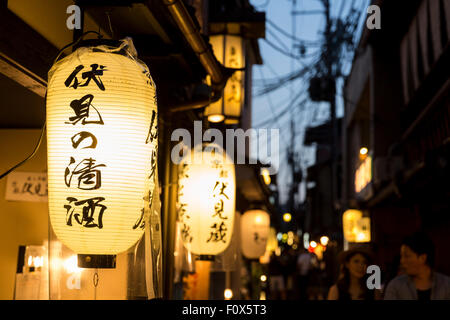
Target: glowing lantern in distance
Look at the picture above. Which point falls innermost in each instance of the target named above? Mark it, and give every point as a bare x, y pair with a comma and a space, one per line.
206, 200
255, 229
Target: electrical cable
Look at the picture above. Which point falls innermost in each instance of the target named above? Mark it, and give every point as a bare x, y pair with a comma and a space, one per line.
38, 144
27, 158
288, 35
287, 54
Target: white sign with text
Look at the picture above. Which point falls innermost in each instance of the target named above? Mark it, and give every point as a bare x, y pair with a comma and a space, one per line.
27, 187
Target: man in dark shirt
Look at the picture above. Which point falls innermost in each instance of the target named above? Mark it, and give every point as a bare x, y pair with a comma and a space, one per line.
420, 282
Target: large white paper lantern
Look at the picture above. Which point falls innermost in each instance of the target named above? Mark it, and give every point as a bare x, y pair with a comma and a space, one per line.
206, 200
255, 228
102, 148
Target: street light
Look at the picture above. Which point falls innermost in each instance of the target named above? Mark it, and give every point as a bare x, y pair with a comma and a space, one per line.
287, 217
324, 240
363, 151
228, 294
266, 176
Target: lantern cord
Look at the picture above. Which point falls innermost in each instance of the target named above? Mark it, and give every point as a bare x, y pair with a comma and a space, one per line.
110, 26
29, 157
75, 43
95, 281
45, 98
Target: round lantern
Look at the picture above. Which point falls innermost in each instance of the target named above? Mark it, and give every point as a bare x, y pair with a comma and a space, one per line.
102, 148
255, 228
206, 200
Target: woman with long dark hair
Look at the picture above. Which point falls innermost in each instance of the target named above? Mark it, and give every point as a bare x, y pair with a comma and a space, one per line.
351, 284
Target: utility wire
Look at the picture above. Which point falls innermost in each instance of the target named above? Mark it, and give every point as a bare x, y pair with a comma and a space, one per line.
290, 36
38, 144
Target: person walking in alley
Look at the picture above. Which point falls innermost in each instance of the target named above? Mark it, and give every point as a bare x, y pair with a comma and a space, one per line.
304, 266
276, 279
420, 281
351, 284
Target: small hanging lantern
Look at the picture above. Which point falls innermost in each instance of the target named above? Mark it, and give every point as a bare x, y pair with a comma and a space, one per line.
356, 227
229, 51
255, 228
102, 149
206, 200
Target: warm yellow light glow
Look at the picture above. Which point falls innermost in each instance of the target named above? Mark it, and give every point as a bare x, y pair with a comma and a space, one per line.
363, 175
324, 240
290, 241
255, 228
229, 51
263, 278
30, 261
313, 244
272, 245
71, 265
101, 150
284, 237
287, 217
278, 251
215, 118
228, 294
206, 200
349, 220
266, 176
356, 227
262, 296
39, 262
363, 151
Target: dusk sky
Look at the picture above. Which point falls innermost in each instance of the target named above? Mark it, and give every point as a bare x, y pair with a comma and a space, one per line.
281, 28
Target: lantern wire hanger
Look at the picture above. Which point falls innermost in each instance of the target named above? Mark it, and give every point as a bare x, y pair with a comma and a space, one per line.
38, 144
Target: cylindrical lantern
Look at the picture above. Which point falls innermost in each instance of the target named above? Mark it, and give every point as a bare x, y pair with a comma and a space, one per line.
102, 148
206, 200
356, 227
229, 50
255, 228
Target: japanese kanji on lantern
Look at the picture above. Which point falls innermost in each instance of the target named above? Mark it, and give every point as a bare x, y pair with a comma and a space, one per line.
255, 228
206, 199
102, 148
229, 50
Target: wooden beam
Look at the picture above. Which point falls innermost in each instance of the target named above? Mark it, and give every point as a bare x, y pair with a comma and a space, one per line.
23, 76
26, 46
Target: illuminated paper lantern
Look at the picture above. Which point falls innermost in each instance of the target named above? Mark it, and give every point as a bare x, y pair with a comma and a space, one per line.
363, 175
272, 246
255, 228
206, 200
356, 227
102, 148
228, 50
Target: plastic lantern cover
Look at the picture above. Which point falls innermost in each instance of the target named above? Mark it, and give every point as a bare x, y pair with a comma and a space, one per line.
102, 148
206, 200
255, 228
